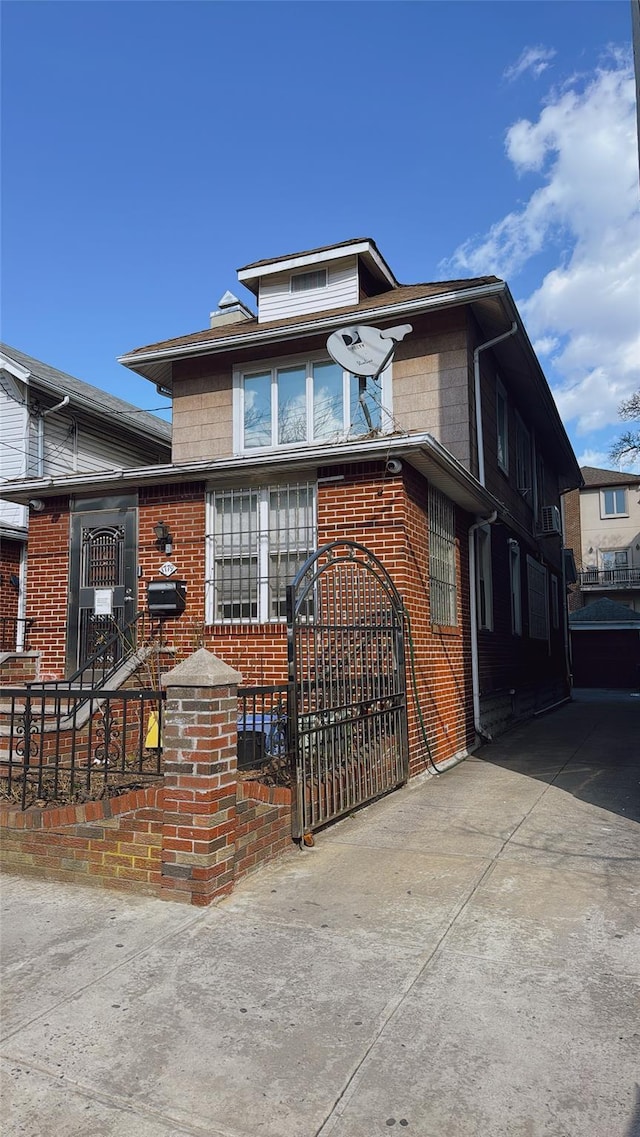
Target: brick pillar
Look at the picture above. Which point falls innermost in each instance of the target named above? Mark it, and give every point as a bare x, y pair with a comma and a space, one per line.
200, 779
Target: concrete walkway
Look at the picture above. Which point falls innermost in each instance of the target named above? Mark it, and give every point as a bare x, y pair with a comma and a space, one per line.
461, 958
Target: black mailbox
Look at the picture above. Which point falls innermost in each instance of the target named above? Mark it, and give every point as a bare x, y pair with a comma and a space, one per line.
166, 598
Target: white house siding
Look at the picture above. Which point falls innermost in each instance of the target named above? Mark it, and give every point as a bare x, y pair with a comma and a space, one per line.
600, 534
277, 301
99, 451
14, 423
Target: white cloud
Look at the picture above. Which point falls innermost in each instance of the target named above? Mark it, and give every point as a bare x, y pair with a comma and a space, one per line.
584, 316
533, 59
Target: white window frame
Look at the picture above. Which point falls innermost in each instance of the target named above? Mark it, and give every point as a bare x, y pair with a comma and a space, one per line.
265, 545
538, 600
615, 490
484, 579
515, 582
308, 273
382, 393
502, 427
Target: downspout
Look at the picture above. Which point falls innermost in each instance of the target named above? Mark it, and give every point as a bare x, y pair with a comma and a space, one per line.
473, 616
478, 400
22, 599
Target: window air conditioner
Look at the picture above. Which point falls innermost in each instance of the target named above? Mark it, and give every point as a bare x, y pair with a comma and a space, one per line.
549, 520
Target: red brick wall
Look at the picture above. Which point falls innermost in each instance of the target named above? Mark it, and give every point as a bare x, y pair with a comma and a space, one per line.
115, 843
10, 552
47, 575
18, 669
263, 825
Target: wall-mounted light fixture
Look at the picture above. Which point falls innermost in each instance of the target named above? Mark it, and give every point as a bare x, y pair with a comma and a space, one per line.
164, 540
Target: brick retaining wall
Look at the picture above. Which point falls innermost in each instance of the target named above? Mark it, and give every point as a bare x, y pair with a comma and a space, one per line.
118, 842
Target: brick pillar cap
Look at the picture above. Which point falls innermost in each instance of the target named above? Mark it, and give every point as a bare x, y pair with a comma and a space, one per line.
202, 669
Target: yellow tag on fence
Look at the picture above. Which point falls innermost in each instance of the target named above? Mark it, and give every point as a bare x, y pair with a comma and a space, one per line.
153, 740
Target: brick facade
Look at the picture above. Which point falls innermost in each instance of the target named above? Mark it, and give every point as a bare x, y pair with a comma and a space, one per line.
388, 514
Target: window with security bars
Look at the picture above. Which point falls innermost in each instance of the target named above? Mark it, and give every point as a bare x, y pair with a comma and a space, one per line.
442, 559
538, 600
257, 540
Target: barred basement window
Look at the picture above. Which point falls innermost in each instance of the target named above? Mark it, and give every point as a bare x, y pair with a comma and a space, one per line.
257, 539
442, 559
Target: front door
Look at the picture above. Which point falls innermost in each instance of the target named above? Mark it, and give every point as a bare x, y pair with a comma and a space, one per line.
102, 583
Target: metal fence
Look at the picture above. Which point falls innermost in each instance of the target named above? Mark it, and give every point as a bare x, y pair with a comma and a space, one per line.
14, 633
262, 729
68, 748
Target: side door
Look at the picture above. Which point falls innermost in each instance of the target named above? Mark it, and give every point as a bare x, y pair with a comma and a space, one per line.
102, 580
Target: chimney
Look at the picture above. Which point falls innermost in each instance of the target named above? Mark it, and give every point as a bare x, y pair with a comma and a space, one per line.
230, 310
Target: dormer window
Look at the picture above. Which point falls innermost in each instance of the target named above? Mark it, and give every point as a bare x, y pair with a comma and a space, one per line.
306, 281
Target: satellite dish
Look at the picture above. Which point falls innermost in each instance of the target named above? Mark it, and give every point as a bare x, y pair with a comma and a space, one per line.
364, 350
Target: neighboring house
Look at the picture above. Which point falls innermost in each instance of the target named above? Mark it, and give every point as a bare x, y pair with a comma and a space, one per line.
52, 425
602, 525
449, 467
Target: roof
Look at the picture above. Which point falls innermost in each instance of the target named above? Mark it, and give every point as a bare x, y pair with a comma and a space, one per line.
593, 477
93, 400
311, 252
604, 612
399, 296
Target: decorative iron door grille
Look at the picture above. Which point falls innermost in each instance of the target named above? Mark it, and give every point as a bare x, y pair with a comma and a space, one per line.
347, 717
103, 562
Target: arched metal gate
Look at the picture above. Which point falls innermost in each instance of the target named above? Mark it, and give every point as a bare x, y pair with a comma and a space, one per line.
347, 691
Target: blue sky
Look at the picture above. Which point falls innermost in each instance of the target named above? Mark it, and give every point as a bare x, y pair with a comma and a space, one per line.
151, 148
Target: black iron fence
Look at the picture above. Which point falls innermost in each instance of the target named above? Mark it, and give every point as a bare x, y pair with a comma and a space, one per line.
14, 633
262, 728
67, 748
114, 646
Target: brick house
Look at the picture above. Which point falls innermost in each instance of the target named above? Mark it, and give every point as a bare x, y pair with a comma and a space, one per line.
53, 425
448, 466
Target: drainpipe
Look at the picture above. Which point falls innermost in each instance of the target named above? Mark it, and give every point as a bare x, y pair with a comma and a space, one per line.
41, 417
473, 615
476, 381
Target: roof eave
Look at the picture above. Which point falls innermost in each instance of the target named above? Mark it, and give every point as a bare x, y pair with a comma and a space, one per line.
421, 451
137, 361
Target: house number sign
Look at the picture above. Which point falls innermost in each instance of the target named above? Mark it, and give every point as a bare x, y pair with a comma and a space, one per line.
168, 569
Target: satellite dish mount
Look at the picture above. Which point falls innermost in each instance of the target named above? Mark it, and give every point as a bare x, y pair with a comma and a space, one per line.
363, 350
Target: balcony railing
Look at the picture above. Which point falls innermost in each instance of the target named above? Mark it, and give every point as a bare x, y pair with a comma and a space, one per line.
610, 578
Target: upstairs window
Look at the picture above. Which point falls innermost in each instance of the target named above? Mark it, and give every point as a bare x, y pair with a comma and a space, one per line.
306, 281
524, 476
613, 503
257, 539
307, 401
502, 427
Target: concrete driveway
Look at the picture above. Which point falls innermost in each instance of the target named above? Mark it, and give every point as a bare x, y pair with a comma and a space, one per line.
461, 958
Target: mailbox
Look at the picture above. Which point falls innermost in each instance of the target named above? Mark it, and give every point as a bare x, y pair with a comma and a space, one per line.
166, 598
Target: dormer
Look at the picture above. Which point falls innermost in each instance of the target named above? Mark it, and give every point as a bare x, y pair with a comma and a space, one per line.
319, 280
